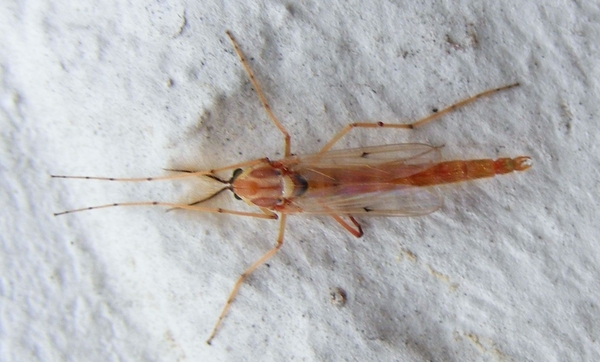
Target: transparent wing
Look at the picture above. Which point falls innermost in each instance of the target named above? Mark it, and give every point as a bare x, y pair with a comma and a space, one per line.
403, 201
408, 153
366, 181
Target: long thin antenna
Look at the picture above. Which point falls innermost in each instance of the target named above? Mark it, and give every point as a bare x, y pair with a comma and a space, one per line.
174, 206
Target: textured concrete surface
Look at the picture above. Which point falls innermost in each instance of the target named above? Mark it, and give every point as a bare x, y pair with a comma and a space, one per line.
507, 270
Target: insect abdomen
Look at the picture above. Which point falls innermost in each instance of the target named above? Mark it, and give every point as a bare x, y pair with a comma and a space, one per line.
457, 171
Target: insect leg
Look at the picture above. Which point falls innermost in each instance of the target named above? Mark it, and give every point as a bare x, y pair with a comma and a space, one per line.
417, 123
357, 231
263, 100
244, 275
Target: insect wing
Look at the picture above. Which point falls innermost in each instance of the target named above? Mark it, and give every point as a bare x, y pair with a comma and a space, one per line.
402, 201
364, 181
406, 153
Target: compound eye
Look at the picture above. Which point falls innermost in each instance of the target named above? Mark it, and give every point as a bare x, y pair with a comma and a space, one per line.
236, 173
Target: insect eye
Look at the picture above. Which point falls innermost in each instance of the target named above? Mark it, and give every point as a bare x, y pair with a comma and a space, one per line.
236, 196
236, 173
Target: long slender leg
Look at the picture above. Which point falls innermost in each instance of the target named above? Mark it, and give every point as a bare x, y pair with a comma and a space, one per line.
245, 275
415, 124
263, 100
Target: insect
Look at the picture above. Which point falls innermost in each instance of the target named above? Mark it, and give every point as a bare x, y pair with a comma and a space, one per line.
389, 180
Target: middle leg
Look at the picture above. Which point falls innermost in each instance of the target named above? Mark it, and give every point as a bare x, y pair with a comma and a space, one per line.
247, 273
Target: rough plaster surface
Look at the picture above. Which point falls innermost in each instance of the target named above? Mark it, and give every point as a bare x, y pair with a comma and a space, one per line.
507, 270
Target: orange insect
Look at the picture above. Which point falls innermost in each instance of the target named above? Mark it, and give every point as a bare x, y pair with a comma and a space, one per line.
390, 180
